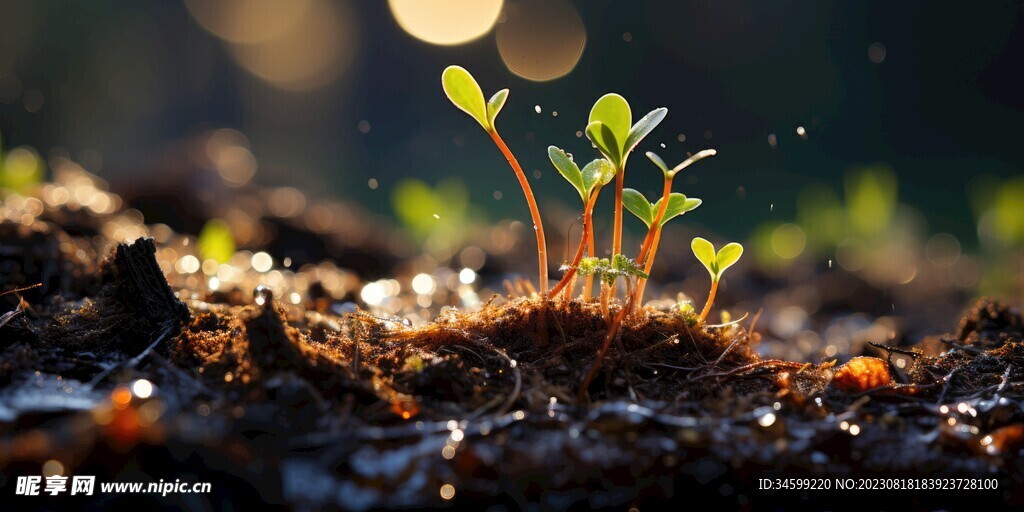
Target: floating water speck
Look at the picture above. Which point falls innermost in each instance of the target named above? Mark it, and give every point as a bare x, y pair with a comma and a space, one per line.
536, 108
801, 131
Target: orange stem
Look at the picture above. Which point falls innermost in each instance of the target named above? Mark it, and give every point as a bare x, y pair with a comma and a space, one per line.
711, 300
587, 209
620, 181
656, 225
538, 226
588, 287
641, 284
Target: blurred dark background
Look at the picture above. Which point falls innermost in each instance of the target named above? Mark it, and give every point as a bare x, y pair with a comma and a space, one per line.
342, 98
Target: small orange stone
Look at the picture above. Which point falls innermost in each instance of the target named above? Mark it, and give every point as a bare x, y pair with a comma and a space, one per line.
861, 374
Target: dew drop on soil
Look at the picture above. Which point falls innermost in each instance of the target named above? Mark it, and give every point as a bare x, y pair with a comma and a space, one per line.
262, 294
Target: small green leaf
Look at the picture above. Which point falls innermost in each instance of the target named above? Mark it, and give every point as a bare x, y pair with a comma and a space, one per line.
705, 253
568, 169
658, 161
728, 255
613, 111
604, 139
494, 105
643, 127
700, 155
216, 241
678, 204
597, 173
638, 205
462, 89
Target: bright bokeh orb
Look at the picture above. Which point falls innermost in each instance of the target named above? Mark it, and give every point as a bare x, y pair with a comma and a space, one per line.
247, 21
446, 22
297, 45
541, 40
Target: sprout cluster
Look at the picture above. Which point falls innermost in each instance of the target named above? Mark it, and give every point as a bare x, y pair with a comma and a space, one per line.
611, 129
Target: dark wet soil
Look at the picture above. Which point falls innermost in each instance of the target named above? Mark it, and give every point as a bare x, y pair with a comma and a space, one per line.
301, 408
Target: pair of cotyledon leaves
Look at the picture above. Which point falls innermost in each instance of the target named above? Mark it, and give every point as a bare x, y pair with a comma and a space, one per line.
716, 262
610, 127
462, 89
644, 210
598, 172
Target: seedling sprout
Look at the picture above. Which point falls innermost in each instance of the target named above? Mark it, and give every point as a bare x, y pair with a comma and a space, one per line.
716, 263
463, 90
611, 130
588, 182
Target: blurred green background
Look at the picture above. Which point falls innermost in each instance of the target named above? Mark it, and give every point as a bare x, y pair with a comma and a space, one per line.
827, 115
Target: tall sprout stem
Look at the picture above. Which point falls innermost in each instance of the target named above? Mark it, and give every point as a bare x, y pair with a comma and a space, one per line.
641, 283
620, 181
571, 272
711, 300
588, 286
542, 251
649, 247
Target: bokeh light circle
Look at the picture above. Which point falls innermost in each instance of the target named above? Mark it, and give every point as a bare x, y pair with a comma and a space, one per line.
296, 45
446, 22
247, 21
541, 40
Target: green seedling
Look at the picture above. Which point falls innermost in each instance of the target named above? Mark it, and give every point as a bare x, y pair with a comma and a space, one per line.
659, 213
638, 205
716, 263
463, 91
611, 130
588, 183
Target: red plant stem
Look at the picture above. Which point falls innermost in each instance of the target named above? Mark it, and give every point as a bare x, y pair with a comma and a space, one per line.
587, 209
613, 329
656, 225
641, 284
620, 181
650, 241
542, 252
711, 300
588, 287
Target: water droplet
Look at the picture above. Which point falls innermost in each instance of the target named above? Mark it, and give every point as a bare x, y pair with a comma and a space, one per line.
262, 295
